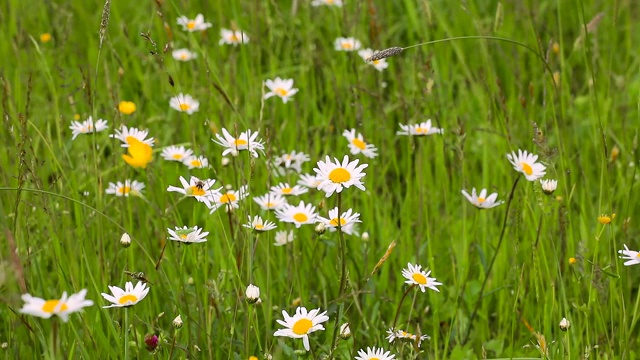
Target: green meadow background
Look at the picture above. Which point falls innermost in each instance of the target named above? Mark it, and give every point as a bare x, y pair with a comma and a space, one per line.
490, 96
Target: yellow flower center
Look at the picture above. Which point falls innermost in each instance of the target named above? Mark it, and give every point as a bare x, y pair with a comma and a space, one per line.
287, 190
526, 168
421, 130
191, 25
234, 38
124, 190
339, 175
123, 300
177, 156
302, 326
46, 37
183, 57
481, 200
227, 198
196, 191
359, 144
196, 163
258, 226
419, 278
300, 217
183, 236
185, 107
50, 305
376, 62
240, 142
269, 205
281, 92
334, 222
347, 46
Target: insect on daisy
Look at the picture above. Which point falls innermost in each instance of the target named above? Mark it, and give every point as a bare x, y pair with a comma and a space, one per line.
229, 200
347, 220
188, 235
285, 189
86, 127
196, 162
132, 187
421, 129
347, 44
357, 144
127, 135
284, 237
525, 163
335, 176
183, 54
302, 324
415, 276
377, 64
247, 140
184, 103
127, 297
199, 189
298, 215
283, 88
60, 307
258, 224
192, 25
374, 354
270, 201
632, 256
231, 37
176, 153
482, 201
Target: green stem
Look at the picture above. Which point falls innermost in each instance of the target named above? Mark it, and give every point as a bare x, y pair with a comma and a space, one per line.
395, 319
343, 280
126, 333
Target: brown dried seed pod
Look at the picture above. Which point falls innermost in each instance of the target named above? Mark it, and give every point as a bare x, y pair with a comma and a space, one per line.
383, 54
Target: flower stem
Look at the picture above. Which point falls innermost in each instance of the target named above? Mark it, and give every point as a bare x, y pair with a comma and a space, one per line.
126, 333
343, 279
395, 319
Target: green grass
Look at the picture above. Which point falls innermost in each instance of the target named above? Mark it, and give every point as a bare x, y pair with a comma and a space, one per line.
490, 96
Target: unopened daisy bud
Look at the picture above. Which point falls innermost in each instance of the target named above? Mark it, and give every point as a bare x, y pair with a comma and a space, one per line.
177, 322
549, 186
253, 294
225, 161
5, 345
365, 236
234, 152
125, 240
190, 281
345, 331
564, 324
268, 357
151, 341
320, 228
300, 352
383, 54
228, 187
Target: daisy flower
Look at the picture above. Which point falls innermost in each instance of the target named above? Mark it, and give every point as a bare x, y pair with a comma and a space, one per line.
334, 176
183, 54
126, 135
270, 201
258, 224
127, 297
308, 180
632, 256
378, 64
231, 37
196, 24
347, 44
247, 140
301, 324
196, 162
228, 200
132, 187
549, 186
525, 163
285, 189
184, 103
87, 126
415, 276
347, 220
421, 129
61, 307
138, 154
188, 235
283, 237
483, 201
404, 336
297, 215
199, 189
374, 354
337, 3
282, 88
292, 160
176, 153
357, 144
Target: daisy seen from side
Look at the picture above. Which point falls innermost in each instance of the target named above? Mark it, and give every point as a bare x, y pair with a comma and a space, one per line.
284, 237
336, 3
357, 144
129, 187
347, 44
247, 140
196, 162
421, 129
482, 201
301, 324
183, 54
258, 224
284, 189
184, 103
308, 180
282, 88
335, 176
374, 354
347, 220
632, 256
176, 153
128, 296
87, 127
270, 201
233, 37
415, 276
188, 235
60, 307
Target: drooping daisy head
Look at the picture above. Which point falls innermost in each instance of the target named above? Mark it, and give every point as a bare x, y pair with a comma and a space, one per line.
377, 64
128, 297
335, 176
482, 201
421, 129
139, 154
270, 201
183, 54
525, 163
300, 325
196, 162
347, 44
129, 187
357, 144
298, 215
284, 189
228, 200
415, 276
188, 235
284, 237
231, 37
128, 135
393, 335
548, 186
88, 126
184, 103
283, 88
632, 256
60, 307
346, 220
247, 140
176, 153
191, 25
199, 189
258, 224
374, 354
336, 3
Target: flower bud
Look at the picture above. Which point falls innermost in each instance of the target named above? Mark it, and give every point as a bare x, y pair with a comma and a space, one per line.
549, 186
125, 240
177, 322
320, 228
564, 324
151, 341
365, 236
345, 331
252, 293
225, 161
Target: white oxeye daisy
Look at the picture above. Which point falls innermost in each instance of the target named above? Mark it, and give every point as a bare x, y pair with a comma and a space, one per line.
176, 153
270, 201
61, 307
421, 129
184, 103
374, 354
405, 336
86, 127
292, 160
415, 276
188, 235
549, 186
126, 135
258, 224
337, 3
196, 162
282, 88
285, 189
132, 187
232, 37
357, 144
199, 189
347, 44
127, 297
482, 201
347, 220
334, 176
196, 24
284, 237
183, 54
247, 140
252, 294
525, 163
229, 200
378, 64
632, 256
297, 215
302, 324
308, 180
